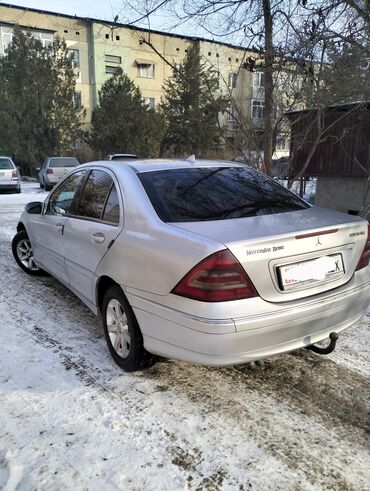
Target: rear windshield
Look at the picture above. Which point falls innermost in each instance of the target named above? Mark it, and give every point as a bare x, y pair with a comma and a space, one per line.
6, 164
190, 195
64, 162
124, 157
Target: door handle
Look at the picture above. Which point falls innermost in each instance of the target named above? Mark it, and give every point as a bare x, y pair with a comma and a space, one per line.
98, 238
59, 227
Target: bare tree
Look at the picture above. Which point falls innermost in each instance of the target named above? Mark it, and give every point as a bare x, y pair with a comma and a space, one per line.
299, 41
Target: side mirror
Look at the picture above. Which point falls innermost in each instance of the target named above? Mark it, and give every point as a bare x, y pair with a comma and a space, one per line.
34, 208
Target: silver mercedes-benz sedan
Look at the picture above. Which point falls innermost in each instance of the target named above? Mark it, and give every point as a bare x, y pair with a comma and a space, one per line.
207, 262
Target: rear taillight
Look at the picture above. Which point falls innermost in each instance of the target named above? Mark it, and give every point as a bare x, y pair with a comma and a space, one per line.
365, 257
14, 175
218, 278
49, 171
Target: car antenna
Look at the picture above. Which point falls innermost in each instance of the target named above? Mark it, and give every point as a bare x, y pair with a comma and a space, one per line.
191, 159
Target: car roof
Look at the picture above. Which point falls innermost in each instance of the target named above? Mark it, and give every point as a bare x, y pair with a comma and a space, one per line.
150, 165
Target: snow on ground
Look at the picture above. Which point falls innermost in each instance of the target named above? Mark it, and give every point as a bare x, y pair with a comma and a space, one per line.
70, 418
11, 205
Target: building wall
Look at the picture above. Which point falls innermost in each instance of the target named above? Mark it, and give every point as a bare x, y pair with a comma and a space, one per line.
128, 45
342, 193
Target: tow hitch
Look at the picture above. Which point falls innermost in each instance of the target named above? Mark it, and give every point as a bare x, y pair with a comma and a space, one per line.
329, 349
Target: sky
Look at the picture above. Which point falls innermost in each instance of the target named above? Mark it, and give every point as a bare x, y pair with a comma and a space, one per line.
104, 9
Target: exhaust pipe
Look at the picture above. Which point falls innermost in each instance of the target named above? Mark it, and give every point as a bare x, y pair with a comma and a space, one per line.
329, 349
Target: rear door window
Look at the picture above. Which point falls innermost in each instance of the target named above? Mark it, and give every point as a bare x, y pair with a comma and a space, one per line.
61, 200
112, 212
94, 196
218, 193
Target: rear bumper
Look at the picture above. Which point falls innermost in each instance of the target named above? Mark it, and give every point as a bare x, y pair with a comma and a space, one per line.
10, 186
50, 179
173, 334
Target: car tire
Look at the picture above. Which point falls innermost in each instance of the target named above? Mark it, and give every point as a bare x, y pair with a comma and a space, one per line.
47, 187
41, 185
21, 244
122, 332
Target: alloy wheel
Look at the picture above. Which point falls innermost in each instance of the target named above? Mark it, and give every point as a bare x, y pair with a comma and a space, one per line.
117, 326
25, 255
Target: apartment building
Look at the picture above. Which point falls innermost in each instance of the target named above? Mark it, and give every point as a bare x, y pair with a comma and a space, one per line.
99, 47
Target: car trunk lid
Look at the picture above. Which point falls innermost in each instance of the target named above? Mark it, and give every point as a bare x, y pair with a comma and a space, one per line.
6, 175
291, 255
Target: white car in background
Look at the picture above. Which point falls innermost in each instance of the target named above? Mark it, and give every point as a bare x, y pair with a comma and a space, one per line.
10, 179
54, 169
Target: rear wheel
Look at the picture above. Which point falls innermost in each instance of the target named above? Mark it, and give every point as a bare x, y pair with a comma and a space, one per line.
48, 187
23, 254
122, 332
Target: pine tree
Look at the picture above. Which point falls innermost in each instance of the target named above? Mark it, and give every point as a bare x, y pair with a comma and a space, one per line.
37, 110
191, 106
122, 122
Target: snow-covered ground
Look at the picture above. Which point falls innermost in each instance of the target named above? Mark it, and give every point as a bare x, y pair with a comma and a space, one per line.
71, 419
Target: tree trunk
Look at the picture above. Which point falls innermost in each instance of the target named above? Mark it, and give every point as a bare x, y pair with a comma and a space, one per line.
269, 89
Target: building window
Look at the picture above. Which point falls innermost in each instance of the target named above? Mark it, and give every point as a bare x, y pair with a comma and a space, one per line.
74, 55
230, 114
7, 38
77, 99
107, 36
282, 142
258, 109
111, 69
117, 38
46, 38
231, 81
149, 102
145, 68
113, 59
259, 80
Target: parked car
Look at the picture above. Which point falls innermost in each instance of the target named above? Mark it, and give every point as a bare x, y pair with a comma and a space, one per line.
10, 179
207, 262
121, 156
54, 169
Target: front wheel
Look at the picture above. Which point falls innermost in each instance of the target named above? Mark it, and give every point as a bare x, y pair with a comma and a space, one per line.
23, 254
122, 332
